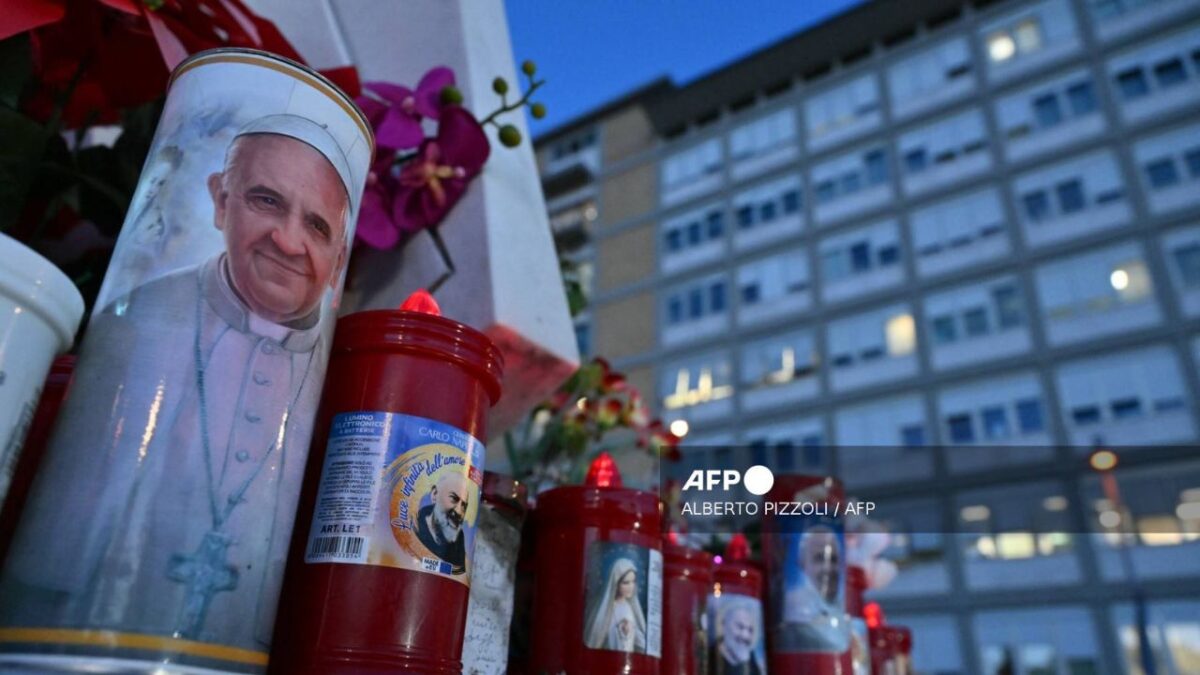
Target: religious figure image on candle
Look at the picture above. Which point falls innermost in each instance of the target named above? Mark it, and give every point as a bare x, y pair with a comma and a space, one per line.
440, 522
619, 598
167, 497
812, 607
431, 497
737, 635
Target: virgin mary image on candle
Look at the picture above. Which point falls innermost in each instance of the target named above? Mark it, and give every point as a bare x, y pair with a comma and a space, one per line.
617, 622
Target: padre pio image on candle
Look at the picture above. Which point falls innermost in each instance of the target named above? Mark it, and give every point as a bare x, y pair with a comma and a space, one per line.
623, 611
169, 489
737, 636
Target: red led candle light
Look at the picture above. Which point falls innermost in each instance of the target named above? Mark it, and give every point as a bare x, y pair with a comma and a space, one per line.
429, 381
597, 600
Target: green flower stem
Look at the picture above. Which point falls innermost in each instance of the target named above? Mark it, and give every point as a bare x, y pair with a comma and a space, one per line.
505, 107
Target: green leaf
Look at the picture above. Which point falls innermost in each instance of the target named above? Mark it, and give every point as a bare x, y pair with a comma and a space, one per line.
24, 146
15, 68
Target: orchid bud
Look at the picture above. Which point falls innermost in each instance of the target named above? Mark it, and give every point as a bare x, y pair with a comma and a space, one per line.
529, 68
450, 95
500, 86
538, 111
510, 136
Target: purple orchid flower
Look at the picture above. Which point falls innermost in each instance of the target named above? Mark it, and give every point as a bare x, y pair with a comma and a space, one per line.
375, 227
433, 181
397, 116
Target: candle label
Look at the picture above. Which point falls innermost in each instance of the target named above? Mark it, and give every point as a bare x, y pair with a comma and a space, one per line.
398, 491
735, 627
813, 580
623, 611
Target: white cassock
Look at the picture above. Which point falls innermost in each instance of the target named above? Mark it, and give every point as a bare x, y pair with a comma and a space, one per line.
181, 505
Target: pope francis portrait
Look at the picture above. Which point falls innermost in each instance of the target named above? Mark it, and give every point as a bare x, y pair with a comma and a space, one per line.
186, 477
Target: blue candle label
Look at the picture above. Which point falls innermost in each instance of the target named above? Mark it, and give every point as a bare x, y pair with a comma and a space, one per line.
398, 491
623, 611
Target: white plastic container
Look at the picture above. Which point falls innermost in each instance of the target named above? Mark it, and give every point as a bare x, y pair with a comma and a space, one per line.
40, 311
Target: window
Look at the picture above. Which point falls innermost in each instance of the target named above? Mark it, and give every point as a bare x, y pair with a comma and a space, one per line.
1081, 98
716, 225
694, 236
995, 422
1187, 259
791, 201
751, 293
689, 165
945, 330
1132, 84
779, 360
915, 160
1125, 408
975, 322
1085, 415
960, 428
716, 294
860, 257
1037, 206
674, 240
674, 310
842, 107
912, 436
703, 379
775, 279
1022, 38
1170, 73
933, 74
745, 216
1029, 416
1009, 310
1162, 173
876, 163
766, 212
764, 135
695, 303
1070, 196
1192, 159
1046, 110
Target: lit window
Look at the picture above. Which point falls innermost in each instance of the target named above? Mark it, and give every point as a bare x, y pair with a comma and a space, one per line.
901, 335
1131, 280
1028, 36
1001, 47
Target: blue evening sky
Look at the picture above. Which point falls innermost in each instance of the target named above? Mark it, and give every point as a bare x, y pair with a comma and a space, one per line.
593, 51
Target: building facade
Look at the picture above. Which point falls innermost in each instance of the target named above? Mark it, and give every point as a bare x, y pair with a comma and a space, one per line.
944, 252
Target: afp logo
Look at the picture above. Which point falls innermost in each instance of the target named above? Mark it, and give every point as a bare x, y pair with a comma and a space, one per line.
758, 479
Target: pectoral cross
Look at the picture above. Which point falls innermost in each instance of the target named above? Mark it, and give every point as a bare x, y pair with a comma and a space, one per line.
206, 573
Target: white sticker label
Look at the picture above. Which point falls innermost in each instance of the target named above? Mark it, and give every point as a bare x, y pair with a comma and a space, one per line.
654, 605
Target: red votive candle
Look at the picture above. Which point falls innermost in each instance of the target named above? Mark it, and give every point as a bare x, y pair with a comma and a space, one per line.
597, 601
735, 614
379, 572
687, 582
804, 549
860, 643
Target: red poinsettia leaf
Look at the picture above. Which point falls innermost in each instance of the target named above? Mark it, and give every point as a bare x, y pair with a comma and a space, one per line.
20, 17
346, 79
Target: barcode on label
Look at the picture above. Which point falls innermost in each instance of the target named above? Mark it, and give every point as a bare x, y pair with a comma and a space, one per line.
336, 547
